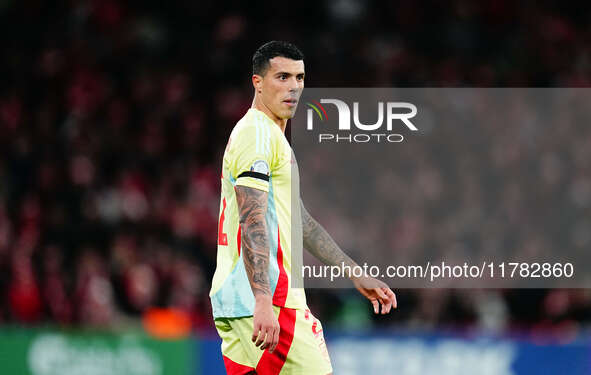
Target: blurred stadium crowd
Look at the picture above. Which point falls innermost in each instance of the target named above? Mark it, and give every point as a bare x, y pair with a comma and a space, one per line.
113, 119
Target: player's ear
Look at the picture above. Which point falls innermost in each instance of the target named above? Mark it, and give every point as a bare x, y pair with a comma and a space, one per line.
257, 82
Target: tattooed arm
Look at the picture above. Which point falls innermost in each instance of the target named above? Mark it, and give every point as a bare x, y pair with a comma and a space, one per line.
320, 244
252, 204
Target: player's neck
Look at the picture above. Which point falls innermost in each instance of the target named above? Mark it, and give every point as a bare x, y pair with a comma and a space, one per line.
282, 123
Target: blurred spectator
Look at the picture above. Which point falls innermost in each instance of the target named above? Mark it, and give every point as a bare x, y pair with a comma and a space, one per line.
23, 291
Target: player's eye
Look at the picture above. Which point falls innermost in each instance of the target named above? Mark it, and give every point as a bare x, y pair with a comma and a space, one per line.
300, 77
283, 77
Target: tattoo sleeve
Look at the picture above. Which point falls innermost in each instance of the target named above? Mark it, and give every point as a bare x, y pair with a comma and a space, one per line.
320, 244
252, 204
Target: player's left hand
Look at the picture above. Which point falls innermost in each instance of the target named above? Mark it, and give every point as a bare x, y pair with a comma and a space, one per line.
377, 292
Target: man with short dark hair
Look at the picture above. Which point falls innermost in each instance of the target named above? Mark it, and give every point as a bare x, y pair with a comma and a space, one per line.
265, 324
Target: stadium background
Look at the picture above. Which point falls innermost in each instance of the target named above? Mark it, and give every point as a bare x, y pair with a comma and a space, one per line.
113, 118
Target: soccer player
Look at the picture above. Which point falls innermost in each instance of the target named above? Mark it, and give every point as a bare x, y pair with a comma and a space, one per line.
265, 324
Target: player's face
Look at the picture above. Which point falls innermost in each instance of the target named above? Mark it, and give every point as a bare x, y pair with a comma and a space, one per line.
282, 86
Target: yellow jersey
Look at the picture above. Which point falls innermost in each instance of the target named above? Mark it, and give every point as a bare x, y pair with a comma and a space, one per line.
257, 156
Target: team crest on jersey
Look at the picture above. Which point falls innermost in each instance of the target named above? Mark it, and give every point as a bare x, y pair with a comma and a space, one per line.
260, 166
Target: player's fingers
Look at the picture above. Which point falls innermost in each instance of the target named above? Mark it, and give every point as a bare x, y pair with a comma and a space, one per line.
392, 297
384, 300
383, 305
268, 338
376, 305
386, 306
390, 301
255, 332
381, 294
275, 339
261, 337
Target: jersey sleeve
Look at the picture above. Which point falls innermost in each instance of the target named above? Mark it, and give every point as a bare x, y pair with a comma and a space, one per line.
252, 157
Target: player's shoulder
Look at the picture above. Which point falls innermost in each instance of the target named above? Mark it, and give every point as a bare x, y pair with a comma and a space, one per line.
252, 126
252, 119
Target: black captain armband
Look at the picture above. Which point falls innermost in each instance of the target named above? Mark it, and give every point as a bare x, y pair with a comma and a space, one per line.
260, 176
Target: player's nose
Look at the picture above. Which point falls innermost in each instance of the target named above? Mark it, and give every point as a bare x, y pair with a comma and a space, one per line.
294, 84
